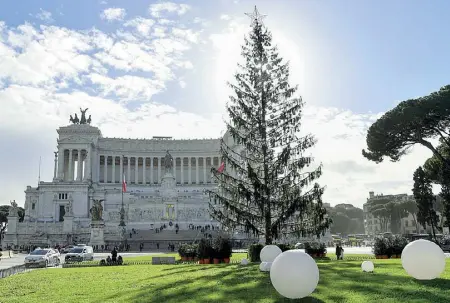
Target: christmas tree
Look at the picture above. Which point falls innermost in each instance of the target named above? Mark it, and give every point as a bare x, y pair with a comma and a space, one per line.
264, 188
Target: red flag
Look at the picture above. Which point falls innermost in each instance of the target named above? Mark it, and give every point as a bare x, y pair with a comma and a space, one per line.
124, 184
221, 167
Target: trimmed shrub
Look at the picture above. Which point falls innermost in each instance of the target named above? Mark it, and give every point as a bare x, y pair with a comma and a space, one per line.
284, 247
253, 252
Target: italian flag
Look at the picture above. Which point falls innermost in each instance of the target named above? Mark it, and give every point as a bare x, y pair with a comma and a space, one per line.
221, 167
124, 184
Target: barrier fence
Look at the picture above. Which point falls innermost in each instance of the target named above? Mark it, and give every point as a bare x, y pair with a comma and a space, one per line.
6, 272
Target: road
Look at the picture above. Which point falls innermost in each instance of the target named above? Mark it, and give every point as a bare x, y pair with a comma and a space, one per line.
19, 258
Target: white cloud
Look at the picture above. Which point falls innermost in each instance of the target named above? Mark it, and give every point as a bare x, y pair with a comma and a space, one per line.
44, 15
158, 10
129, 88
113, 13
142, 25
182, 83
225, 17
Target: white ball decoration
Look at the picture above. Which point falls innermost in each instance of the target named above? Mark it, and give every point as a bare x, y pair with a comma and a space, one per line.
423, 260
262, 266
265, 266
244, 262
367, 266
294, 274
269, 253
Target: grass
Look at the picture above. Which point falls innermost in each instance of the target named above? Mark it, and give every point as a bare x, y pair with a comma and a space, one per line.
340, 281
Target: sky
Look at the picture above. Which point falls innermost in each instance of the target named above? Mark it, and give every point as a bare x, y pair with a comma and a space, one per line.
158, 68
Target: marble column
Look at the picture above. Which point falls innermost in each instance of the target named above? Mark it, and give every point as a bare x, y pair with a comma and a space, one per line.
151, 171
121, 170
70, 170
55, 170
61, 158
113, 169
80, 165
105, 169
144, 170
98, 167
181, 171
159, 170
204, 170
189, 170
196, 170
174, 168
87, 166
128, 178
136, 170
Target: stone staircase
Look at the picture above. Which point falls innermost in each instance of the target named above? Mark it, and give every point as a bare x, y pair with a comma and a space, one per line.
169, 236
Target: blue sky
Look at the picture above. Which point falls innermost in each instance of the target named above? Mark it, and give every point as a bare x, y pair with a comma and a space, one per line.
352, 59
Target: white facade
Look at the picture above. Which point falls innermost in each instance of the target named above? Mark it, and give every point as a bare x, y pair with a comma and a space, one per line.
89, 166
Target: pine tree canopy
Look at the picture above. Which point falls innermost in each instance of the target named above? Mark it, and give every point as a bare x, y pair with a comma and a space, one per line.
266, 189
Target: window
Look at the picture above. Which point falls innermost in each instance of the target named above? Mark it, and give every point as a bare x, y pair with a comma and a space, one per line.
62, 212
33, 206
62, 196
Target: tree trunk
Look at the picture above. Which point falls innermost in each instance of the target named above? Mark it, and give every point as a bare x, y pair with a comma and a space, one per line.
268, 229
415, 222
434, 232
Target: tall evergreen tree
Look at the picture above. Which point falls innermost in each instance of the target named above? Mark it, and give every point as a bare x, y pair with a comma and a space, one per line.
265, 189
423, 194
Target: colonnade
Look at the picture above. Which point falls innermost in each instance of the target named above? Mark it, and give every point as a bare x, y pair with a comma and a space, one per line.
149, 170
72, 165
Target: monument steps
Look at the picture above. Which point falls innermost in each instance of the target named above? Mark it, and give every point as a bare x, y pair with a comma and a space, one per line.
169, 235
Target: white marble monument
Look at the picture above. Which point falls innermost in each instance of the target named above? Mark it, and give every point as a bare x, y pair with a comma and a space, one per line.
165, 177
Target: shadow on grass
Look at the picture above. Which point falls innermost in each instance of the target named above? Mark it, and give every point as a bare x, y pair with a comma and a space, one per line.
224, 283
339, 282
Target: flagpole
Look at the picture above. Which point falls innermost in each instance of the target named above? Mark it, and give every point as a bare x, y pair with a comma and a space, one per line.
39, 175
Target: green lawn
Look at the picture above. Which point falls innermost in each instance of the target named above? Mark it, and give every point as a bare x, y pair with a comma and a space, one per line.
340, 281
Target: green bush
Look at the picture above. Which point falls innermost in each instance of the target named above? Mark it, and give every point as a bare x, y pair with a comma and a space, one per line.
204, 249
284, 247
226, 250
221, 248
315, 248
382, 247
253, 252
188, 250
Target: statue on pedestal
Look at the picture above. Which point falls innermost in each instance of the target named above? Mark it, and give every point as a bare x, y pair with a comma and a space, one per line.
13, 209
83, 116
69, 209
168, 163
97, 210
82, 120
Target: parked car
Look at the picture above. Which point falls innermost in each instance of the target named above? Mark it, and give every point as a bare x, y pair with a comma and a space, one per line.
66, 249
80, 253
42, 258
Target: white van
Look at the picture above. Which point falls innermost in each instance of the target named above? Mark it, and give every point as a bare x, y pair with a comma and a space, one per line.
80, 253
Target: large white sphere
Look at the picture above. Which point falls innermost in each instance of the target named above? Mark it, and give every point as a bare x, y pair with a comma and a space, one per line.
423, 260
294, 274
269, 253
367, 266
244, 262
